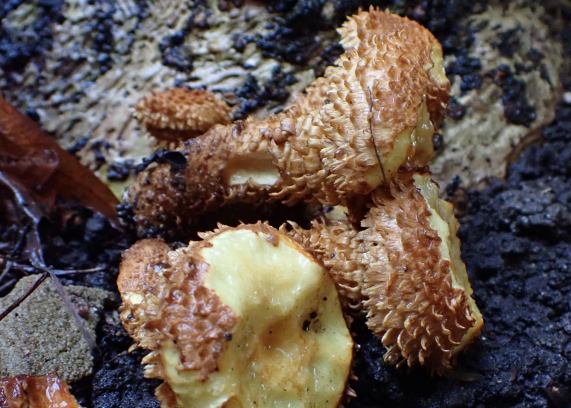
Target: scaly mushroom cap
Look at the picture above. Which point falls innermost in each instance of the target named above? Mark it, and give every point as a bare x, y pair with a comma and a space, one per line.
360, 32
245, 317
180, 113
404, 270
36, 392
373, 112
416, 291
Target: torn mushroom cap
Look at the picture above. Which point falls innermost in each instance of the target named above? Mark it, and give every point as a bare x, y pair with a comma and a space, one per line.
416, 291
46, 391
244, 318
374, 111
178, 114
403, 270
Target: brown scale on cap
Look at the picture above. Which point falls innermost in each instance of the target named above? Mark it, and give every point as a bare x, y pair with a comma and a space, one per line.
406, 263
244, 317
334, 243
374, 111
178, 114
164, 300
46, 391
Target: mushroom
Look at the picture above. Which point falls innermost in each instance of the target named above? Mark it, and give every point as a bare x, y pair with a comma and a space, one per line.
403, 270
178, 114
372, 112
246, 317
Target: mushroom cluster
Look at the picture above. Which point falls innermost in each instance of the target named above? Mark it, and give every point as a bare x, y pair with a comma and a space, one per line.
357, 141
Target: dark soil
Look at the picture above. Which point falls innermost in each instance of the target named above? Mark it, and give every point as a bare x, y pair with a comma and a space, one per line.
516, 234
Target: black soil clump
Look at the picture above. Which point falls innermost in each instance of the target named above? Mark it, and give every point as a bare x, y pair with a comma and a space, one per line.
516, 242
118, 381
19, 45
253, 95
517, 109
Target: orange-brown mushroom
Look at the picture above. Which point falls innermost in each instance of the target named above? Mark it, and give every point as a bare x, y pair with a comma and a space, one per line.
403, 270
178, 114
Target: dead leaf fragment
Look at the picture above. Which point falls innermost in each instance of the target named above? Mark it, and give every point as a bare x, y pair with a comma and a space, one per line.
36, 163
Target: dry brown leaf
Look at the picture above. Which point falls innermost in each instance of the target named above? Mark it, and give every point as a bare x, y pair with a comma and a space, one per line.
37, 392
37, 164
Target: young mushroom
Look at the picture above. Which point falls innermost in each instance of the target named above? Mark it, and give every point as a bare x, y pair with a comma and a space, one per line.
245, 317
372, 112
403, 270
178, 114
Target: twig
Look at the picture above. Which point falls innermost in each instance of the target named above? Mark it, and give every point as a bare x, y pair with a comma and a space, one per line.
8, 284
7, 267
21, 240
36, 258
67, 302
56, 271
64, 272
31, 210
8, 263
